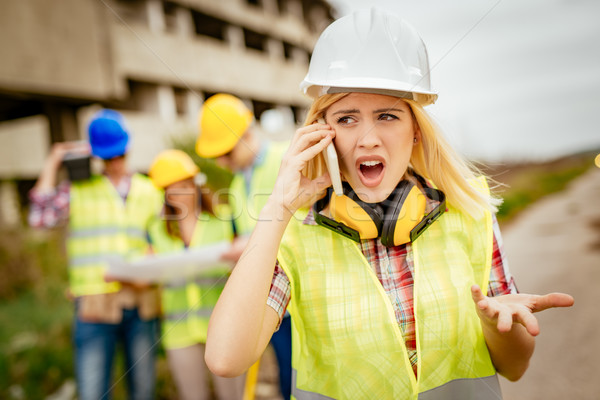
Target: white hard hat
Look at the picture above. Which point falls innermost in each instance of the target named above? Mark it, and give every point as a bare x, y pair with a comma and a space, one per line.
370, 51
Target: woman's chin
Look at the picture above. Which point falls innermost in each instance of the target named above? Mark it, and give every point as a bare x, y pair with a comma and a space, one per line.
371, 195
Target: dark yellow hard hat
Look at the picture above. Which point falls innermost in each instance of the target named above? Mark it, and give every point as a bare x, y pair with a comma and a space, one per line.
223, 121
172, 166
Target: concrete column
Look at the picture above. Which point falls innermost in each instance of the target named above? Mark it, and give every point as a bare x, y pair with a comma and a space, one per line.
63, 122
167, 108
185, 22
275, 49
156, 16
299, 55
318, 18
194, 100
234, 35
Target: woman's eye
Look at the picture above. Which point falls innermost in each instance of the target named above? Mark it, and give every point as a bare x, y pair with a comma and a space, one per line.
387, 117
344, 120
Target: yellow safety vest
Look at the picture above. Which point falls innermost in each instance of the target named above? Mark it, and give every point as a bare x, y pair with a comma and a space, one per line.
246, 204
103, 227
346, 340
187, 305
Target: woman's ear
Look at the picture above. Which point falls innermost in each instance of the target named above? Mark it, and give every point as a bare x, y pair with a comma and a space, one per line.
417, 137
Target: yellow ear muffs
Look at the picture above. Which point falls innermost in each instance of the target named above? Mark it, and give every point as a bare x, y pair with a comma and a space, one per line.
397, 220
354, 214
404, 213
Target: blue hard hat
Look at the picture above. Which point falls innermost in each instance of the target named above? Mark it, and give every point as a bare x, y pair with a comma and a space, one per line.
108, 134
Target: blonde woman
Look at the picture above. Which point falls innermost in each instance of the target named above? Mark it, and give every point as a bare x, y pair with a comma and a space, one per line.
397, 286
190, 220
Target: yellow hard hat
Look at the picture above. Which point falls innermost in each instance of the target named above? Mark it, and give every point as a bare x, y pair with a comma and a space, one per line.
223, 121
172, 166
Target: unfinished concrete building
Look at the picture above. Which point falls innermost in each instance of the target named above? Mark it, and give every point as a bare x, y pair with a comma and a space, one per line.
153, 60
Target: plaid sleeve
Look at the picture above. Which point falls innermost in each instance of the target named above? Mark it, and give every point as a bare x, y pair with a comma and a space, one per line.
48, 210
280, 293
501, 281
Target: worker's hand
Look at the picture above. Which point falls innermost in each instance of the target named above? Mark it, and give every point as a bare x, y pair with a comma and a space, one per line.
60, 149
47, 180
234, 253
292, 189
502, 311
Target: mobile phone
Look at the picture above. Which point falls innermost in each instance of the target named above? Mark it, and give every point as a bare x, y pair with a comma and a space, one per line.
78, 166
331, 161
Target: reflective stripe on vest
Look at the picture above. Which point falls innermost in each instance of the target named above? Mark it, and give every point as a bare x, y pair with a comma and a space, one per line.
108, 230
187, 305
338, 306
475, 388
84, 261
246, 206
102, 227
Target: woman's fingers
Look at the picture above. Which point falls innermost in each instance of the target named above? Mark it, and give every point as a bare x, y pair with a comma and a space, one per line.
477, 294
552, 300
312, 151
518, 308
524, 316
309, 138
297, 158
303, 131
505, 320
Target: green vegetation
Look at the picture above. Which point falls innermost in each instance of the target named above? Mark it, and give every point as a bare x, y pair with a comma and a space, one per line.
35, 315
36, 354
217, 178
525, 184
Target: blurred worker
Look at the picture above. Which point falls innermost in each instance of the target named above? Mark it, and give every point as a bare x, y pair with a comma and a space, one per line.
227, 134
189, 221
108, 216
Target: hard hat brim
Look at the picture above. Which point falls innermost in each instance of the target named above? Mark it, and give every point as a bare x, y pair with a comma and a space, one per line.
211, 149
378, 86
116, 150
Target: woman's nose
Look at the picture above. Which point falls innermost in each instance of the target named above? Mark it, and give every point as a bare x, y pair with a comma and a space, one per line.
369, 136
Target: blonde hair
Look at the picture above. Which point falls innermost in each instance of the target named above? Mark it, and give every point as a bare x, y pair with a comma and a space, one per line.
433, 158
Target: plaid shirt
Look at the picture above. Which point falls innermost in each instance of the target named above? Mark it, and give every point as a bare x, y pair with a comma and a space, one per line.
397, 281
51, 209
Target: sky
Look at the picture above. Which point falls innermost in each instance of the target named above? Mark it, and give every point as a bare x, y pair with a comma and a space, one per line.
517, 80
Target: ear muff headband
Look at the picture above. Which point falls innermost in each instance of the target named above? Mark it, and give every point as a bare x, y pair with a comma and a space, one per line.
403, 221
405, 212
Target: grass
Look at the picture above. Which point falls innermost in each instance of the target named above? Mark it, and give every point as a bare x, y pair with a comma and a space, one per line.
35, 316
36, 354
524, 184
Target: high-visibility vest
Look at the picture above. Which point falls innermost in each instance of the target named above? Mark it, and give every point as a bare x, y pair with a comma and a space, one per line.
346, 340
246, 204
187, 305
103, 227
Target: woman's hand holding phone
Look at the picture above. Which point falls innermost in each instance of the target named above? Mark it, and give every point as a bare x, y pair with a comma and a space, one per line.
292, 189
333, 166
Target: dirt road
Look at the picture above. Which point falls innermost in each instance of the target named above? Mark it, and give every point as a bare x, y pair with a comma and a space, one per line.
555, 246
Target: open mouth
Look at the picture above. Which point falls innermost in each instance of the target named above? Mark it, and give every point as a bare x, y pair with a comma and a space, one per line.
371, 172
